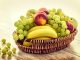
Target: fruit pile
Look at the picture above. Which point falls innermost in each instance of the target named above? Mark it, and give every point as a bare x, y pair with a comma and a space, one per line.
43, 24
5, 49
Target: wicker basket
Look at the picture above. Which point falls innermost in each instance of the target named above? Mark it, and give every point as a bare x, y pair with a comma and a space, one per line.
48, 46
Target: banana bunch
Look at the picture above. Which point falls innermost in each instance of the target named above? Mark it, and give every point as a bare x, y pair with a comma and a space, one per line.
42, 32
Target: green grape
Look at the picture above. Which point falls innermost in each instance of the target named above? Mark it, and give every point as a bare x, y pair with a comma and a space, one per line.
3, 41
20, 26
20, 31
59, 11
58, 34
31, 25
52, 13
8, 45
22, 17
25, 33
66, 18
51, 22
59, 29
56, 17
33, 11
29, 14
49, 16
57, 20
30, 20
24, 22
4, 51
67, 32
9, 53
62, 33
63, 24
15, 36
27, 27
52, 10
14, 50
21, 36
16, 23
27, 21
62, 18
55, 26
60, 24
62, 30
7, 48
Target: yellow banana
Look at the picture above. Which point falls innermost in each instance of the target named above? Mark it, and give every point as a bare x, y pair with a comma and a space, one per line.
42, 33
39, 27
27, 44
42, 38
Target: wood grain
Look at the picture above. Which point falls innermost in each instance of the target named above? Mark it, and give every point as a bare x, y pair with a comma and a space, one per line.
60, 55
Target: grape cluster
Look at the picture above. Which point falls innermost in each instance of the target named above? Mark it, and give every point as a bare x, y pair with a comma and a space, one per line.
23, 25
6, 50
31, 13
57, 20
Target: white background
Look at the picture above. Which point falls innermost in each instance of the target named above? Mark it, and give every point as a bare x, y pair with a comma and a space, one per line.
10, 10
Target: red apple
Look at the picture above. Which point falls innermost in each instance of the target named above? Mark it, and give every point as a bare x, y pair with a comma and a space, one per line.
40, 18
43, 10
70, 26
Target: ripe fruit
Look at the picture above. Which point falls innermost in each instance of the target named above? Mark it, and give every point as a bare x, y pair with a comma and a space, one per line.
3, 41
21, 36
39, 27
67, 32
43, 10
42, 33
70, 26
40, 18
74, 22
14, 50
42, 38
27, 44
15, 36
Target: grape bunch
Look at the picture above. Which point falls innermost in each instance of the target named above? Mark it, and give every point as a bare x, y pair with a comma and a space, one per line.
57, 20
6, 50
23, 25
31, 13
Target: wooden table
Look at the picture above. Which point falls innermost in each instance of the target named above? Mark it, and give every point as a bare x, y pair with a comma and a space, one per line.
72, 52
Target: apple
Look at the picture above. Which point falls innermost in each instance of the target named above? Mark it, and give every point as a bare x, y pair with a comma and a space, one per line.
40, 18
43, 10
70, 26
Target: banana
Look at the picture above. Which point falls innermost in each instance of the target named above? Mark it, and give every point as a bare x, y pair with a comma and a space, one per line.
42, 38
42, 33
39, 27
27, 44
